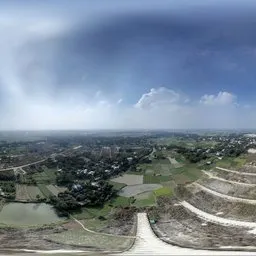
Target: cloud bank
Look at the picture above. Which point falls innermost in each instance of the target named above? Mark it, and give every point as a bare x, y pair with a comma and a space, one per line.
74, 71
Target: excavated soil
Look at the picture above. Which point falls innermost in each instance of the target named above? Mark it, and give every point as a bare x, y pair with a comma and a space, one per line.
186, 229
230, 189
221, 207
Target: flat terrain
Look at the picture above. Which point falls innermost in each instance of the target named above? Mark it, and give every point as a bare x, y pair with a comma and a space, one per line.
27, 193
129, 179
55, 190
138, 189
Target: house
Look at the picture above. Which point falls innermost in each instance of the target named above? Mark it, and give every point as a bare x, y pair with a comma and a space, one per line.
129, 159
76, 187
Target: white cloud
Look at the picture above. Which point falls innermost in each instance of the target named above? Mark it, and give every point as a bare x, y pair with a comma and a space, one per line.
222, 98
157, 98
119, 101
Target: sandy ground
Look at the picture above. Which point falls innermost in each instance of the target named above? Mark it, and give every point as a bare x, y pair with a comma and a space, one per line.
231, 198
147, 243
216, 219
211, 175
243, 173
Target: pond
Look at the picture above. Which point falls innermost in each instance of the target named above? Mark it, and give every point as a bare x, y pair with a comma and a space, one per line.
28, 214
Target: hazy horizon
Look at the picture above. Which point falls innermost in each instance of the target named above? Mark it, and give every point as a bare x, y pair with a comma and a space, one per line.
89, 65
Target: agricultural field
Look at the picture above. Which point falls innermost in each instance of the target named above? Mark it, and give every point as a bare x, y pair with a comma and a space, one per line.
134, 190
144, 199
117, 185
234, 163
129, 179
165, 191
121, 201
51, 173
45, 191
27, 193
41, 177
94, 212
92, 240
184, 142
55, 190
151, 179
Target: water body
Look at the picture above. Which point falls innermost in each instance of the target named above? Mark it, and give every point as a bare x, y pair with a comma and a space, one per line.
28, 214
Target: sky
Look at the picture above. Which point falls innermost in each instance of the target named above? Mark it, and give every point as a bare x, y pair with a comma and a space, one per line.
137, 64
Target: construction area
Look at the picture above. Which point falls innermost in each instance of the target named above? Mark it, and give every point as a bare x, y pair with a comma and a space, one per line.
216, 212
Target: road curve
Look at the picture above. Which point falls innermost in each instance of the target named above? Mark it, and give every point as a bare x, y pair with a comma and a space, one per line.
230, 198
147, 243
216, 219
236, 172
228, 181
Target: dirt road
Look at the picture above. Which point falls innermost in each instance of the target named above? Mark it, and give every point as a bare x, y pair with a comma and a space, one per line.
147, 243
98, 233
230, 198
241, 173
209, 174
219, 220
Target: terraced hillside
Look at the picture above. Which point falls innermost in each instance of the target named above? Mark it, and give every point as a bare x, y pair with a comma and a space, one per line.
216, 211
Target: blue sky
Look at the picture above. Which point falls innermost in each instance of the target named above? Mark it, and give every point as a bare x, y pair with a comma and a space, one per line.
127, 64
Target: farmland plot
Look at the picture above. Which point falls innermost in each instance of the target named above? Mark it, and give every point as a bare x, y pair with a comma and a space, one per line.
26, 193
22, 193
138, 189
96, 241
55, 190
129, 179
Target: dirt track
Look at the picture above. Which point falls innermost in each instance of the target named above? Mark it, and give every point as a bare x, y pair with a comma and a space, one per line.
148, 244
231, 198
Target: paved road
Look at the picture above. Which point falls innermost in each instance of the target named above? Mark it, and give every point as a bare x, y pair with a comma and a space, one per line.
230, 198
21, 166
228, 181
232, 171
147, 243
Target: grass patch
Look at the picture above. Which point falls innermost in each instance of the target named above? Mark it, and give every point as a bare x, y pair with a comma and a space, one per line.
121, 201
150, 201
84, 238
116, 185
41, 177
50, 173
93, 212
46, 192
165, 191
151, 179
229, 162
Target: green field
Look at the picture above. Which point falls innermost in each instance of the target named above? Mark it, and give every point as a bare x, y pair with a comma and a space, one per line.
144, 199
117, 185
50, 174
165, 191
41, 177
151, 179
93, 212
229, 162
120, 201
43, 188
